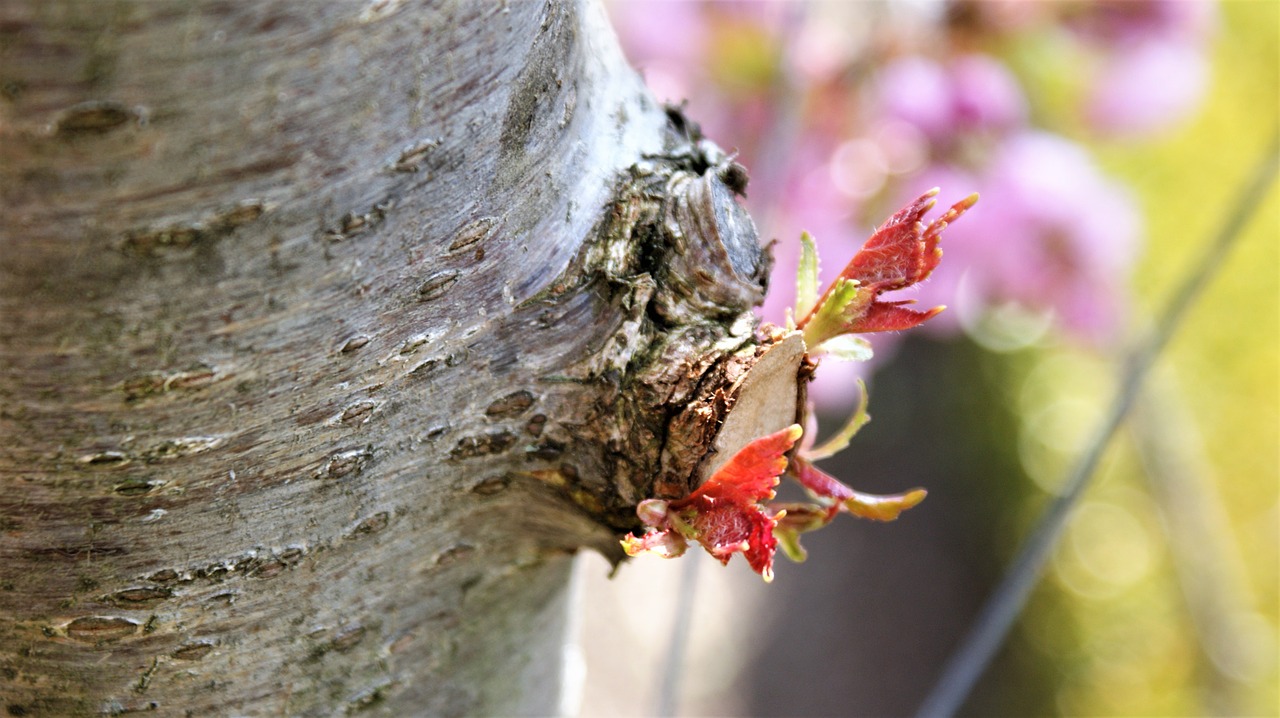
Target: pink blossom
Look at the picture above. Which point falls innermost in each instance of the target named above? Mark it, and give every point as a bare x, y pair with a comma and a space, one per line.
972, 93
1146, 87
1153, 70
1121, 23
916, 90
1054, 234
985, 95
807, 201
671, 32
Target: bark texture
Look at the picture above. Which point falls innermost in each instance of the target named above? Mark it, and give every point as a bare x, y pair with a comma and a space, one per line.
328, 331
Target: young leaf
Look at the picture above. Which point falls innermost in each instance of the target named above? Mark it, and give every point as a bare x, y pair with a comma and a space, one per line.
882, 507
795, 520
892, 316
868, 506
842, 304
840, 441
752, 472
806, 276
729, 529
847, 347
902, 252
789, 541
726, 515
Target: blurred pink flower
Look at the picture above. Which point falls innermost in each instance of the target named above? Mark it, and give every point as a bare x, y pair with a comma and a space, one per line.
1052, 234
671, 32
971, 93
807, 201
670, 43
915, 90
1154, 68
1121, 23
985, 95
1148, 87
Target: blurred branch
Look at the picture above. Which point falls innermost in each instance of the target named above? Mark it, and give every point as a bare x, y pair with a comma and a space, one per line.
997, 616
1206, 558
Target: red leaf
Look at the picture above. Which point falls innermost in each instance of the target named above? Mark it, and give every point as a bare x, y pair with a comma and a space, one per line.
820, 482
902, 252
724, 514
761, 546
726, 530
876, 507
749, 477
891, 316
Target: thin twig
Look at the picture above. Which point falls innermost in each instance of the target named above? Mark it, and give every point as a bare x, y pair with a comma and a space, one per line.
970, 660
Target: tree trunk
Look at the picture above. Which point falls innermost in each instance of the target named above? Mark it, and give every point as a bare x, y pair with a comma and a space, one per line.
328, 331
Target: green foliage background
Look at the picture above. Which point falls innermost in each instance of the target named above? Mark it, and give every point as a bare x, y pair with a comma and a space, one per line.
1124, 639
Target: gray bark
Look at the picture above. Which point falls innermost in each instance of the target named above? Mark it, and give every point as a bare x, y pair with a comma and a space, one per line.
328, 332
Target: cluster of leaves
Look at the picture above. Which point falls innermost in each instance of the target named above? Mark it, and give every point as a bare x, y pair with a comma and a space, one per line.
732, 512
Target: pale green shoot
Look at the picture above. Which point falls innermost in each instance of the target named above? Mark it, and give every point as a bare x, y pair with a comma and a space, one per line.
847, 347
846, 299
789, 542
806, 277
840, 440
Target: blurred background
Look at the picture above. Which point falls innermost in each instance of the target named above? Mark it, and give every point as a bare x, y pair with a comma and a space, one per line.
1109, 141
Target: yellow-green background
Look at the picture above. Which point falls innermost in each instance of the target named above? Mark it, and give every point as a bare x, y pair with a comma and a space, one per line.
1132, 650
